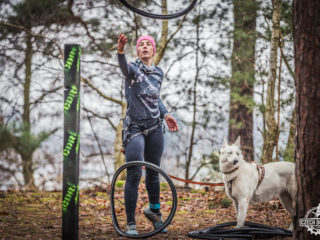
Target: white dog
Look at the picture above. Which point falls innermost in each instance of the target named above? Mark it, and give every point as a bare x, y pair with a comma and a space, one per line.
251, 183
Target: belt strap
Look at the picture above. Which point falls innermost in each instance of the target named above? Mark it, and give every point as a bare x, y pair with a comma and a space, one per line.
144, 132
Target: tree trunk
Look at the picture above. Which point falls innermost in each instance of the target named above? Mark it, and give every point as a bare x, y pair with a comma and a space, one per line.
27, 170
306, 35
27, 83
242, 80
26, 157
165, 39
194, 117
272, 135
164, 35
289, 151
118, 155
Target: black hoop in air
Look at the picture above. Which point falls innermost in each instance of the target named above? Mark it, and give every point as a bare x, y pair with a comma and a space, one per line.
158, 16
173, 191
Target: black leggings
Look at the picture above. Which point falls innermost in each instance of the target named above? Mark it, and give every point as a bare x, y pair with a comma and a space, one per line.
150, 148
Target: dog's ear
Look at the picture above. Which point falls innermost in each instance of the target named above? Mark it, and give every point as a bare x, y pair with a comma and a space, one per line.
224, 142
237, 143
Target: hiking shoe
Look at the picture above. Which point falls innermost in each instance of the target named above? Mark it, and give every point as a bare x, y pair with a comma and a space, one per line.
155, 218
131, 229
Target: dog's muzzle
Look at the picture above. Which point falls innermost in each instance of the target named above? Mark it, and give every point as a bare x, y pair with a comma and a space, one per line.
235, 161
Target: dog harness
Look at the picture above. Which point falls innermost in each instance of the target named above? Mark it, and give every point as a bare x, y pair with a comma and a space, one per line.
230, 185
230, 182
261, 172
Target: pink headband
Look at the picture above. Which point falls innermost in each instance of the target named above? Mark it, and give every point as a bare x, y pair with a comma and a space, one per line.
150, 39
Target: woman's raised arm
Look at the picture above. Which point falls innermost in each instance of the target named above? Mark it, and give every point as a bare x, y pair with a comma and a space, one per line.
125, 69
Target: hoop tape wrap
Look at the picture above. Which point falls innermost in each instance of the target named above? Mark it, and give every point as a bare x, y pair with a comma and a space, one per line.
158, 16
173, 191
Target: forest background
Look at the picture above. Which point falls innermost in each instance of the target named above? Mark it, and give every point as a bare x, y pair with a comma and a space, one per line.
228, 71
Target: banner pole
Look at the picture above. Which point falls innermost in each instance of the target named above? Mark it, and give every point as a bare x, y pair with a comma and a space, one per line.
71, 142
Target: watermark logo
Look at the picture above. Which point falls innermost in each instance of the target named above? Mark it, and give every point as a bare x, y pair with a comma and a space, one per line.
312, 220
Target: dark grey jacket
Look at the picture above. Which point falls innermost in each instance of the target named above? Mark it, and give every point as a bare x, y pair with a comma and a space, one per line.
142, 89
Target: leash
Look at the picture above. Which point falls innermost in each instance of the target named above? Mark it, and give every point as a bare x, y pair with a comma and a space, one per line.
194, 182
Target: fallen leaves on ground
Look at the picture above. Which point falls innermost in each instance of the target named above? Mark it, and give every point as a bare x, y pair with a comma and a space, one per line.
38, 215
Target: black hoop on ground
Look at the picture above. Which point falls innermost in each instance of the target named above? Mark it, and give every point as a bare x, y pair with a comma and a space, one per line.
173, 191
158, 16
252, 231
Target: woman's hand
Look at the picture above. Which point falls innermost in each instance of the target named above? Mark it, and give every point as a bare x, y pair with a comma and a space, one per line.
122, 40
172, 123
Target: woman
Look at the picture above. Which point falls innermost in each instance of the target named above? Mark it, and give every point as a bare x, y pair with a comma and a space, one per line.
142, 128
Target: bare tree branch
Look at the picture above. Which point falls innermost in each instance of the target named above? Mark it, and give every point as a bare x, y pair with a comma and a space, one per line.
85, 26
44, 95
106, 117
32, 34
86, 81
99, 146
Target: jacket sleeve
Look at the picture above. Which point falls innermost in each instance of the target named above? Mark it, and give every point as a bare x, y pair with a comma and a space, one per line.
162, 108
124, 66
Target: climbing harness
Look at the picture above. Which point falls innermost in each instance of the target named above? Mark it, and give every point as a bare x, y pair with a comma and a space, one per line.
126, 137
145, 132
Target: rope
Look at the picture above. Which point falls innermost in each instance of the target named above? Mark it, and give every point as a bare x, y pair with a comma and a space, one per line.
194, 182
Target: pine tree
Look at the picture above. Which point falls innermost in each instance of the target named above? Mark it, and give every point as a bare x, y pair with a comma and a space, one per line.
306, 34
242, 80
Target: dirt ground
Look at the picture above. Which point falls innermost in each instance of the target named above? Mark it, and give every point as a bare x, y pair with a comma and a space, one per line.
38, 215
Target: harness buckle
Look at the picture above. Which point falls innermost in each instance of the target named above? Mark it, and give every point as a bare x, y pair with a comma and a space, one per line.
146, 132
